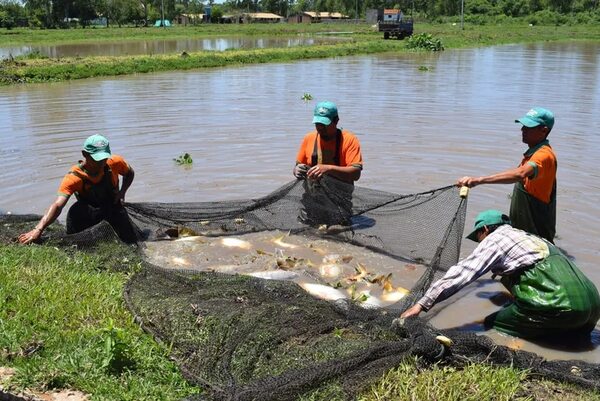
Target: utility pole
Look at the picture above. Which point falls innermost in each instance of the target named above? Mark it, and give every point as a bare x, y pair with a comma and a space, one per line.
162, 13
462, 14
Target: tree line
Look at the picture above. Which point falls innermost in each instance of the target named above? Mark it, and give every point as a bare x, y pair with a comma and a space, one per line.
69, 13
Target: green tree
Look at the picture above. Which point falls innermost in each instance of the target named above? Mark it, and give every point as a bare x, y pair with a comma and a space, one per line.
12, 13
514, 8
40, 12
195, 7
481, 7
562, 6
216, 13
120, 11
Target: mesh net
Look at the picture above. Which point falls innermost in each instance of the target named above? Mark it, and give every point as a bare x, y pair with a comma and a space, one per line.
245, 338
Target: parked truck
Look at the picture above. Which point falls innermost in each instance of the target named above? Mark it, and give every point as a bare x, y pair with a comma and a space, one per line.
393, 23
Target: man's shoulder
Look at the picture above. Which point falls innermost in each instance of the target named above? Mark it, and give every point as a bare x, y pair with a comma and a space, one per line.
548, 149
544, 152
113, 159
310, 135
349, 135
75, 172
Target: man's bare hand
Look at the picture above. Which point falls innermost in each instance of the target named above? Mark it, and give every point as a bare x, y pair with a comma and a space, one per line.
318, 171
31, 236
412, 311
468, 182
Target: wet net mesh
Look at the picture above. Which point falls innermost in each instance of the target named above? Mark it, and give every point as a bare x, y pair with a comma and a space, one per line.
245, 338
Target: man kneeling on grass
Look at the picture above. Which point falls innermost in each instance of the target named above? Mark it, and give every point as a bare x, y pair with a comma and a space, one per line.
95, 183
551, 295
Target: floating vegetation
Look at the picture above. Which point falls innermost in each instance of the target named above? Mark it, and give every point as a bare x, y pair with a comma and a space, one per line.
425, 41
307, 97
423, 68
184, 159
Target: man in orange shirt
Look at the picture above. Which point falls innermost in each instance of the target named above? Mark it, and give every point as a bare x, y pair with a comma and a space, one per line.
533, 201
333, 152
95, 183
328, 149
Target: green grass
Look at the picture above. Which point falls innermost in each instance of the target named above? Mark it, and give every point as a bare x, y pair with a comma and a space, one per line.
477, 382
25, 36
364, 40
27, 70
63, 324
474, 383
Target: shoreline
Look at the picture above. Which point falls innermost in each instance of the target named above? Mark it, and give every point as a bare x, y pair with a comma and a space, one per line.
37, 69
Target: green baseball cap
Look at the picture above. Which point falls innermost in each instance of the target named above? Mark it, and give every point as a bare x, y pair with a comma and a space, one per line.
324, 113
97, 146
489, 217
537, 116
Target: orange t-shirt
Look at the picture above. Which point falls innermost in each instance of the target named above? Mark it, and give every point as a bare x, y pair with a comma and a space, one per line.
349, 150
73, 184
543, 161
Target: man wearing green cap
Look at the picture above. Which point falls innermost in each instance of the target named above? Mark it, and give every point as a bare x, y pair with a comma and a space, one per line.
551, 295
333, 152
328, 149
95, 183
533, 201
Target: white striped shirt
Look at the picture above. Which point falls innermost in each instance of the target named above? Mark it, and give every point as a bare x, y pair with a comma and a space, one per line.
503, 252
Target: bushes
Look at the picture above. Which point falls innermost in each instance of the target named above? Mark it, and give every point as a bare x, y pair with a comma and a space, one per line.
424, 41
547, 17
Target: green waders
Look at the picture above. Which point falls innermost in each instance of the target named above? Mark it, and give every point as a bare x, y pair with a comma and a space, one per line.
551, 297
530, 214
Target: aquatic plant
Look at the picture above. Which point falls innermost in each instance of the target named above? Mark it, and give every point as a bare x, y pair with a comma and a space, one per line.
425, 41
184, 159
307, 97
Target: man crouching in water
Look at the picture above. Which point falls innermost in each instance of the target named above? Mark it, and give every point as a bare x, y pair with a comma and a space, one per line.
95, 183
551, 295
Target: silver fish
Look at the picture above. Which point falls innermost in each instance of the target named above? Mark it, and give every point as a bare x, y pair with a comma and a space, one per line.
274, 275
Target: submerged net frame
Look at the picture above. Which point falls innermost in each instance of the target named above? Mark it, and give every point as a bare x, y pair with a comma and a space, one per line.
244, 338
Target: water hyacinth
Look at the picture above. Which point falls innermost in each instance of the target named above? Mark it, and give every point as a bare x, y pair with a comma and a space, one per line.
425, 41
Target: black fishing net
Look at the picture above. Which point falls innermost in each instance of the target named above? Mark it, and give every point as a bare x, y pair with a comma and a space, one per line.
246, 338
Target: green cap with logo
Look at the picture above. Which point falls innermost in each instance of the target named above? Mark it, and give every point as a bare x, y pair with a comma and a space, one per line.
324, 113
537, 116
489, 217
97, 146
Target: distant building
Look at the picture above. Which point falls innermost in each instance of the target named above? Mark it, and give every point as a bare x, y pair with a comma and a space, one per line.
315, 16
189, 19
392, 14
261, 17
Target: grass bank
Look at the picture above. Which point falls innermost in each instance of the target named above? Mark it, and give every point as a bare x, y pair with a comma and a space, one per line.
25, 36
364, 40
64, 326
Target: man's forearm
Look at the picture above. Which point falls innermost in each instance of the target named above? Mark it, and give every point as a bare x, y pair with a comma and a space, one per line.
127, 181
51, 215
346, 173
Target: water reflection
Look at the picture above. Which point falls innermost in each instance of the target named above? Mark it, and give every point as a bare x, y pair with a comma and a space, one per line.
243, 126
171, 46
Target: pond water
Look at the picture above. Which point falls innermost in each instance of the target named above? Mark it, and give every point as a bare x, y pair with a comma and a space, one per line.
423, 120
167, 46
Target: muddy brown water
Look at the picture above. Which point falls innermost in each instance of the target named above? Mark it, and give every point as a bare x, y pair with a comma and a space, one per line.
243, 125
165, 46
326, 269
